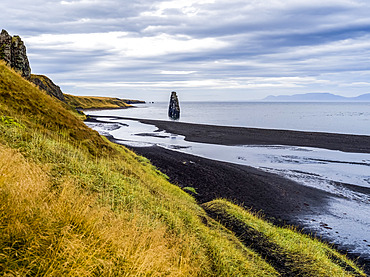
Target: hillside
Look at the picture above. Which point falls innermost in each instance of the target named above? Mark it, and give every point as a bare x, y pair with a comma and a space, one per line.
74, 204
363, 97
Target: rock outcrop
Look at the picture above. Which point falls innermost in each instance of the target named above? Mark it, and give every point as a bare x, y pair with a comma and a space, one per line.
48, 85
174, 107
13, 52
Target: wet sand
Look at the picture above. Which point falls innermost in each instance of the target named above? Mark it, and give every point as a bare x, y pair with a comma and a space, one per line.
225, 135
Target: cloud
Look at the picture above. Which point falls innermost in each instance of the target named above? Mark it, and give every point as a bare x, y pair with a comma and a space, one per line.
176, 72
81, 2
269, 46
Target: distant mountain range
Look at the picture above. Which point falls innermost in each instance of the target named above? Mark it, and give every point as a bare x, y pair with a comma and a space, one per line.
318, 97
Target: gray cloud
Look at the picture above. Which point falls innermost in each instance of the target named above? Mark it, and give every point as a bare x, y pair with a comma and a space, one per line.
241, 49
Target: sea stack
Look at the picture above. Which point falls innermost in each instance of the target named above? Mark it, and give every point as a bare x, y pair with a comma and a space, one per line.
174, 107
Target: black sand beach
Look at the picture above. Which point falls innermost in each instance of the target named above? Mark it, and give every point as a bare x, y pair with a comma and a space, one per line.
279, 199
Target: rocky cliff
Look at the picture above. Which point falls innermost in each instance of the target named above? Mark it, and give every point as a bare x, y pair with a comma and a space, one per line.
13, 51
174, 107
48, 85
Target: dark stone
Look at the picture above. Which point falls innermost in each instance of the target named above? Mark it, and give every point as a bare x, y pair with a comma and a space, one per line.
174, 107
13, 52
5, 47
47, 85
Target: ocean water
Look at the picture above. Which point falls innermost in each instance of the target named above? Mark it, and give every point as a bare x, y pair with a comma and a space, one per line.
346, 218
347, 118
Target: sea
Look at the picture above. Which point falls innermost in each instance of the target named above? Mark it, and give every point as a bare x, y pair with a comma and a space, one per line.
345, 220
334, 117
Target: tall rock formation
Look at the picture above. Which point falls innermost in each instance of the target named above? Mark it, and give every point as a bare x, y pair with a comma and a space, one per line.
13, 52
174, 107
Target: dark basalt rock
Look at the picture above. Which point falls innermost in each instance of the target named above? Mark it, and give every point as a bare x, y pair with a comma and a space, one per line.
13, 52
5, 47
48, 85
174, 107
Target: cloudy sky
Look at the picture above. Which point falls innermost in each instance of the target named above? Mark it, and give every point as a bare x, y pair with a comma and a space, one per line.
203, 49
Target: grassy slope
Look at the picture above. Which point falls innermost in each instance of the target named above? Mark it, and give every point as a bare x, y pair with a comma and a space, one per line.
74, 204
292, 252
95, 102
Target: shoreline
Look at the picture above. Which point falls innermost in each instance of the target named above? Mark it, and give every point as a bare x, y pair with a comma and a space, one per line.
281, 200
129, 106
218, 179
227, 135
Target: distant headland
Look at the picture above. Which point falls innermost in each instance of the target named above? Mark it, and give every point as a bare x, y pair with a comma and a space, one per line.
318, 97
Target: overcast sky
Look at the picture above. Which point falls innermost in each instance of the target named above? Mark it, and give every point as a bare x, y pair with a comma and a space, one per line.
203, 49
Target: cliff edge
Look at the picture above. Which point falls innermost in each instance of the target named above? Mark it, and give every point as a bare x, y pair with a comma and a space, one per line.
46, 84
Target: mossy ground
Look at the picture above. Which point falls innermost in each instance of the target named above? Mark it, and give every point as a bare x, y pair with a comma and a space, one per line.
74, 204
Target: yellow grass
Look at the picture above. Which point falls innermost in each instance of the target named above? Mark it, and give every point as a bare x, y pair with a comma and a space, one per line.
100, 216
67, 232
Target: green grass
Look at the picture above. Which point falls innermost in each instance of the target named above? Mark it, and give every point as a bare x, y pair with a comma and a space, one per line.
190, 189
285, 247
74, 204
9, 121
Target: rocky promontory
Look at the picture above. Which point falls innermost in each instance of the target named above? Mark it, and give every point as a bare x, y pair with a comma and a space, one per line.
13, 52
